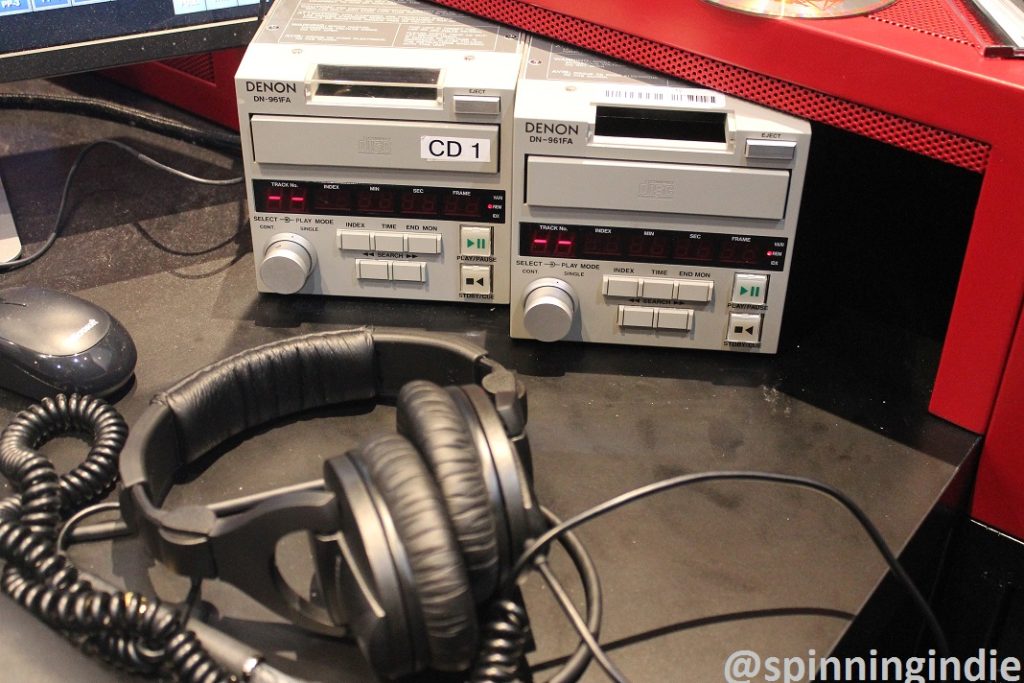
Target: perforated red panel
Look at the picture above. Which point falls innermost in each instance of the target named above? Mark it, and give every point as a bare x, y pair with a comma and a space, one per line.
946, 20
200, 66
934, 18
750, 85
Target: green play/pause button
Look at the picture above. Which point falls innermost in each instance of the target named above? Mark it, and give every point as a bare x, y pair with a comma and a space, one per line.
749, 288
476, 240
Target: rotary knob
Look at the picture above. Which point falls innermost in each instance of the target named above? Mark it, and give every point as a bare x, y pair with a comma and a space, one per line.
549, 309
287, 263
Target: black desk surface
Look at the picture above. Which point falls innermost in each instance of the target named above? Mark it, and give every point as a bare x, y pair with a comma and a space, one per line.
689, 577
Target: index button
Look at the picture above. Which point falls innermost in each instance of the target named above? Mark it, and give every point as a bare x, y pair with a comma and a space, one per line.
352, 240
615, 285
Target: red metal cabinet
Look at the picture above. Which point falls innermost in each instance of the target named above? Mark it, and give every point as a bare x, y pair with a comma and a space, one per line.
911, 75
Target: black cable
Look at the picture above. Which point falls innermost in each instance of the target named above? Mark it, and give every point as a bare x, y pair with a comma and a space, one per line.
503, 636
565, 602
573, 669
86, 106
195, 594
58, 224
528, 556
123, 627
100, 531
74, 520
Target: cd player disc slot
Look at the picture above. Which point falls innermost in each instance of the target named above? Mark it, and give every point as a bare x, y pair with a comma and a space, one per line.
660, 124
656, 187
401, 83
374, 143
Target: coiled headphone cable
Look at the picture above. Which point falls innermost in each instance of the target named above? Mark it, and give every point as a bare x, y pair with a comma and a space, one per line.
142, 634
124, 628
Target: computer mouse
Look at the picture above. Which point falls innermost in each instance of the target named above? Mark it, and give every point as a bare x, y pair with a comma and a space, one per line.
52, 343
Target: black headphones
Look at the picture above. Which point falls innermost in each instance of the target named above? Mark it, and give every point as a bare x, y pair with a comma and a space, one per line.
412, 532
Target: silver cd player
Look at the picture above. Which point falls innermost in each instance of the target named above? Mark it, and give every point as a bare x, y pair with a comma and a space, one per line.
377, 148
648, 212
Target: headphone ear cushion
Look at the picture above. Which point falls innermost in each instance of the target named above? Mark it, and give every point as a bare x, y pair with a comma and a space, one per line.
408, 490
428, 416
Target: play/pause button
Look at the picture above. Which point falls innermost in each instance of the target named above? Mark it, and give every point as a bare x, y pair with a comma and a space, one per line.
475, 280
749, 288
476, 240
744, 328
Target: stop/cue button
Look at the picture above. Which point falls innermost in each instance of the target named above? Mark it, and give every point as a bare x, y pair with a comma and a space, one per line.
744, 328
475, 280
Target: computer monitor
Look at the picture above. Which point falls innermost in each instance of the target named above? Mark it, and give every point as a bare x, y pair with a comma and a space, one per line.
41, 38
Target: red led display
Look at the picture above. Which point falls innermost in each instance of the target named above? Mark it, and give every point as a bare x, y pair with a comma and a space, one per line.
738, 252
297, 200
393, 201
419, 203
694, 248
552, 243
663, 246
369, 201
461, 206
332, 198
597, 244
274, 199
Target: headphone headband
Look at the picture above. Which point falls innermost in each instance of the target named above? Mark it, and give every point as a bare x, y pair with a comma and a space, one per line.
263, 384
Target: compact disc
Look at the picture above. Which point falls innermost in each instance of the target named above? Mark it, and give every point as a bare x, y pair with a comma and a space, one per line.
804, 9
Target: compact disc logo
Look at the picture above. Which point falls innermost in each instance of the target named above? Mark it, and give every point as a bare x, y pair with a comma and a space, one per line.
657, 189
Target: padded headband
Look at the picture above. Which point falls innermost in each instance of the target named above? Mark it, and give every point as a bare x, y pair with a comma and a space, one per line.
261, 385
284, 378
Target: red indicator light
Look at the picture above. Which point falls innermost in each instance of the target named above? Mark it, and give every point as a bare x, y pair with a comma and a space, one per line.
274, 200
297, 199
539, 246
563, 247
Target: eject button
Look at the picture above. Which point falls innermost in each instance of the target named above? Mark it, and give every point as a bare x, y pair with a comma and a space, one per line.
477, 104
771, 149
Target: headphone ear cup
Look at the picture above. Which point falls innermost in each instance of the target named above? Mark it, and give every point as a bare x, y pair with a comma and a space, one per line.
442, 592
428, 416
